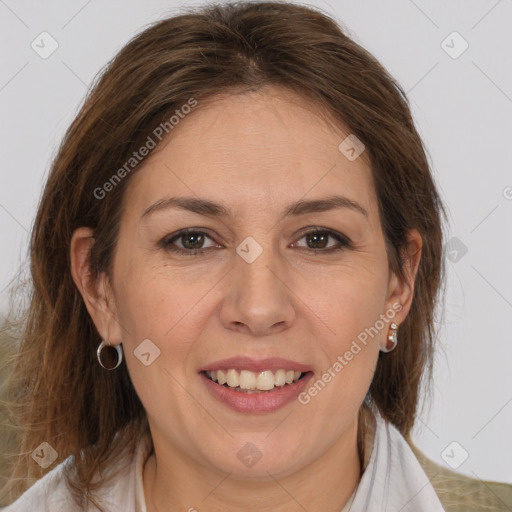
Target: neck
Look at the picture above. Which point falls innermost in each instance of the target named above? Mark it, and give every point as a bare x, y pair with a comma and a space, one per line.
326, 484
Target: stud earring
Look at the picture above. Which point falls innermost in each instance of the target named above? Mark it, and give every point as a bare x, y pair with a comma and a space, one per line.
109, 356
392, 338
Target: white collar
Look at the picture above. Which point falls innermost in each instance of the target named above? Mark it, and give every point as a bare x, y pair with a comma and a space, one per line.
393, 480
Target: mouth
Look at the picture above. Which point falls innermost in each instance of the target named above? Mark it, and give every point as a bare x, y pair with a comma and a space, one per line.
255, 387
246, 381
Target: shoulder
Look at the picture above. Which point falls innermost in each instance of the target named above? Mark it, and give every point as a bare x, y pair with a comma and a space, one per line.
460, 493
121, 493
49, 493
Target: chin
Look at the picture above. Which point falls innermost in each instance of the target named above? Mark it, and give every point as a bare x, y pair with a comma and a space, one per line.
255, 457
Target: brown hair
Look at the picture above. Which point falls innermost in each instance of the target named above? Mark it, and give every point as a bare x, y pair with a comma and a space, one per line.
59, 393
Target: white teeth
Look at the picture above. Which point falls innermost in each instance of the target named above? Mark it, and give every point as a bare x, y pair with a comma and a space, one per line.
253, 382
266, 380
280, 378
247, 380
221, 377
232, 379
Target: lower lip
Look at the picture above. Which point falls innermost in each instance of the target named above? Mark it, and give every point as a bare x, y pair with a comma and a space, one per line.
266, 401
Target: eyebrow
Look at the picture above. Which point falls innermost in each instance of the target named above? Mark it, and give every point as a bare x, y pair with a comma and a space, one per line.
213, 209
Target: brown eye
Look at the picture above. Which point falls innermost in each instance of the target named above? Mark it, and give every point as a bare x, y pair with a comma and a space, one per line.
190, 242
318, 240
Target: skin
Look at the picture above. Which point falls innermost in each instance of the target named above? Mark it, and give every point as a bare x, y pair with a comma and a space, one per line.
257, 153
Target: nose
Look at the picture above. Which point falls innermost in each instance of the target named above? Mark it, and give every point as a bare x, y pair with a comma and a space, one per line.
259, 300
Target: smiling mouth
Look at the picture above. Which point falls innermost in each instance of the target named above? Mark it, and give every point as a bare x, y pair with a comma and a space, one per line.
246, 381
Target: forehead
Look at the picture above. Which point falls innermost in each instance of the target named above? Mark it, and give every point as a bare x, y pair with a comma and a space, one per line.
254, 150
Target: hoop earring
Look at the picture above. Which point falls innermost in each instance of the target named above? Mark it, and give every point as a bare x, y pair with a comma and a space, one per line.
106, 357
392, 339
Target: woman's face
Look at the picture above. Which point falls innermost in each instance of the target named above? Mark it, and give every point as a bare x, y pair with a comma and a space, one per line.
283, 282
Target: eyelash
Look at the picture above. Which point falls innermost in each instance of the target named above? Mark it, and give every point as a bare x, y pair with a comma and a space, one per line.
166, 243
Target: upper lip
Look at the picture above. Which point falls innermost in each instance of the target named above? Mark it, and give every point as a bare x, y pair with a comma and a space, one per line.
256, 365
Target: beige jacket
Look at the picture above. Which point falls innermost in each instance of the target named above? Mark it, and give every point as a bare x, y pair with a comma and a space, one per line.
456, 492
459, 493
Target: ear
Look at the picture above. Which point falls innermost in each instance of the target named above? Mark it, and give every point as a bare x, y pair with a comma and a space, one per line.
96, 290
401, 291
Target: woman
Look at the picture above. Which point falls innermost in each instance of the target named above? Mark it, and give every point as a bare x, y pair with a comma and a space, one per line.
235, 263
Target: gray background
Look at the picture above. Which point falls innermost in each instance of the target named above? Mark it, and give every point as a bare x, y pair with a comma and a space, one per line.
462, 107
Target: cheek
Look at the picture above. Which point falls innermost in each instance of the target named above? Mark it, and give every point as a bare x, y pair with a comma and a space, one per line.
159, 306
353, 349
170, 307
351, 300
350, 348
351, 308
153, 306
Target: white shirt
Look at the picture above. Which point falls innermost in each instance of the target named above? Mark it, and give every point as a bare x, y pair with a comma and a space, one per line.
393, 481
